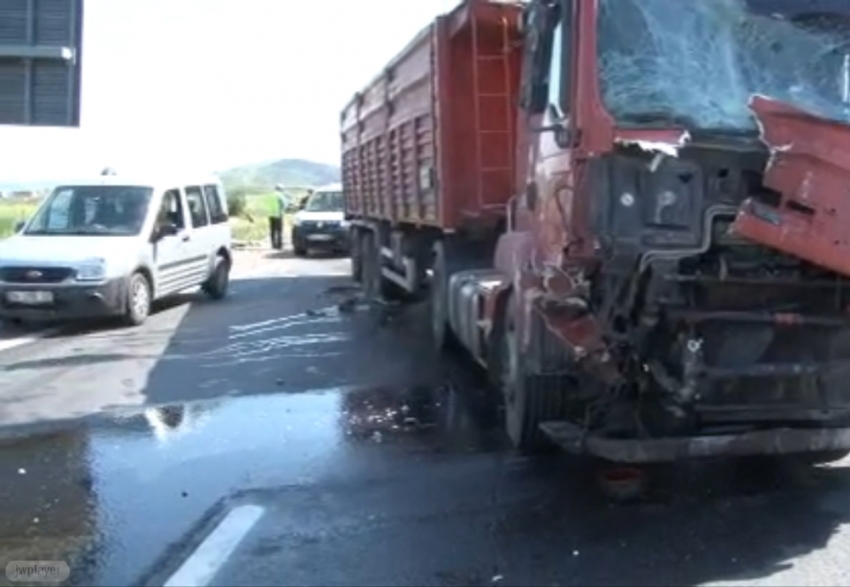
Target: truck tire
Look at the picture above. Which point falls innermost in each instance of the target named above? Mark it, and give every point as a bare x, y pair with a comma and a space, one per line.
356, 255
370, 263
528, 401
441, 332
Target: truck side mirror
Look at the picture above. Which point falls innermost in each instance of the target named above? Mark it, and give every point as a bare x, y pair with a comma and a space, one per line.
558, 125
163, 230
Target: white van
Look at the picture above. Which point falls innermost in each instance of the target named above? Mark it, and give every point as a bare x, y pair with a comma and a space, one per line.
112, 246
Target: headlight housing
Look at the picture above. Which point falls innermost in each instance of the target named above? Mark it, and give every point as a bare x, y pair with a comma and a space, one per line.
344, 223
296, 220
92, 270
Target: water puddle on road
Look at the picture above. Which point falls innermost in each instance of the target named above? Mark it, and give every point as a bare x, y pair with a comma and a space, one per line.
83, 490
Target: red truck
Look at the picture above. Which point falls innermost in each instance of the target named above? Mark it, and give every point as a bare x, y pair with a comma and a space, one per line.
632, 213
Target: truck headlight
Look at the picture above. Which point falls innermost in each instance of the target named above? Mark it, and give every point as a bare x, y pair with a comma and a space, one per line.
344, 223
92, 270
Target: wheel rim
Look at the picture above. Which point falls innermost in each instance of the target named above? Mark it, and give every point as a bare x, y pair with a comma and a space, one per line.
141, 298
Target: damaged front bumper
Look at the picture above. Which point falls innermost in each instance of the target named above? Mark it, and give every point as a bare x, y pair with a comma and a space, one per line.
778, 441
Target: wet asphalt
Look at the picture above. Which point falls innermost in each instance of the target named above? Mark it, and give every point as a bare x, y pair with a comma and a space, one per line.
372, 460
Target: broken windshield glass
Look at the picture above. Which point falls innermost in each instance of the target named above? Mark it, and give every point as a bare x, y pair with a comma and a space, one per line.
696, 64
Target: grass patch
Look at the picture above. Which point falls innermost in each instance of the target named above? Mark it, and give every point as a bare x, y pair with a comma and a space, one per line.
12, 212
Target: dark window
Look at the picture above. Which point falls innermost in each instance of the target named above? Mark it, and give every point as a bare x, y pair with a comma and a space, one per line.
214, 204
197, 206
170, 211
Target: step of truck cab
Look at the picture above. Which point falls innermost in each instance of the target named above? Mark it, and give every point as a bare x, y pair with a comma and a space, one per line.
777, 441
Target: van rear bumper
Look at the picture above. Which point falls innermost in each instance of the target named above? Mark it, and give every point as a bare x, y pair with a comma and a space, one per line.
70, 301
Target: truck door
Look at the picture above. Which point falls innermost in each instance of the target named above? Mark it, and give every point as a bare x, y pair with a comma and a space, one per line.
546, 97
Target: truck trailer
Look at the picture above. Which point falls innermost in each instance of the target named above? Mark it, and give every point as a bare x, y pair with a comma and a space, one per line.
632, 213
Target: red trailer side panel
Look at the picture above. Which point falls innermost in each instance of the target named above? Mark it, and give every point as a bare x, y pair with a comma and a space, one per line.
432, 141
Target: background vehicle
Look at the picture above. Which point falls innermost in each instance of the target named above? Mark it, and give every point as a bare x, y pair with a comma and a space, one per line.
321, 223
645, 276
112, 246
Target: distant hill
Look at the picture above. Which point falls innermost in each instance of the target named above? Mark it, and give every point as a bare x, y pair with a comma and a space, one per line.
293, 172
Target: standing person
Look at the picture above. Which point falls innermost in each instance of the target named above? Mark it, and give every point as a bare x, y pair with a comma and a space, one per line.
274, 209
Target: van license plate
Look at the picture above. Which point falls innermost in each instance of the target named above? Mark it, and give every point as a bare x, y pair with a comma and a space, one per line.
319, 237
30, 297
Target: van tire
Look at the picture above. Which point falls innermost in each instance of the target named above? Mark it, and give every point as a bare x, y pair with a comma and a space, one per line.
218, 282
139, 300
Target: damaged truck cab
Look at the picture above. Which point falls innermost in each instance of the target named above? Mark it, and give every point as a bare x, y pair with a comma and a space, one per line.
669, 276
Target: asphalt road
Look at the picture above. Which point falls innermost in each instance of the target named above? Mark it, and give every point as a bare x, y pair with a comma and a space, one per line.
291, 435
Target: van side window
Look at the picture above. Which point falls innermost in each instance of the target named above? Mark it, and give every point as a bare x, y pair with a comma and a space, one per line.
197, 206
170, 211
213, 199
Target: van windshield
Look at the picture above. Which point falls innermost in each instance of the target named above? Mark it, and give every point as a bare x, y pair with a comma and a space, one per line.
325, 202
92, 211
697, 64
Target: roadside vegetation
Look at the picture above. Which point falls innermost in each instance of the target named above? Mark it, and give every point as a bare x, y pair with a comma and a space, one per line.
12, 212
248, 215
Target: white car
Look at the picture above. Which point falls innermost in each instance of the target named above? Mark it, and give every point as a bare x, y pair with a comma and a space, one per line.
112, 246
321, 223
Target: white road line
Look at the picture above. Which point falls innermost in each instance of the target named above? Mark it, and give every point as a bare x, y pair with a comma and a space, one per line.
11, 343
202, 565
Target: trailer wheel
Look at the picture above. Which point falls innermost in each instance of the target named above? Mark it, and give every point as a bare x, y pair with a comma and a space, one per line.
370, 265
356, 255
528, 400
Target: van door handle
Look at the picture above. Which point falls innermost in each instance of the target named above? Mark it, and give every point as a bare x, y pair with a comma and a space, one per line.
185, 238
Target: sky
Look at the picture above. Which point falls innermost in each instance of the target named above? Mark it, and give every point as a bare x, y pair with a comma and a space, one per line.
210, 84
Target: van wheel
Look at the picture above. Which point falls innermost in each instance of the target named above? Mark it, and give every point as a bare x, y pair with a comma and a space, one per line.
138, 300
219, 281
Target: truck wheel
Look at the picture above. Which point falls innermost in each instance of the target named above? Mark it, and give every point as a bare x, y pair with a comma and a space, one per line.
439, 298
138, 300
528, 402
370, 264
356, 255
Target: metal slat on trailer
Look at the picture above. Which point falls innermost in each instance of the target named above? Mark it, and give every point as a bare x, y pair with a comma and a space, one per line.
40, 62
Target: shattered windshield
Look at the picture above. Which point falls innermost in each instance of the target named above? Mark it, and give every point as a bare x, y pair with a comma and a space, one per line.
697, 64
